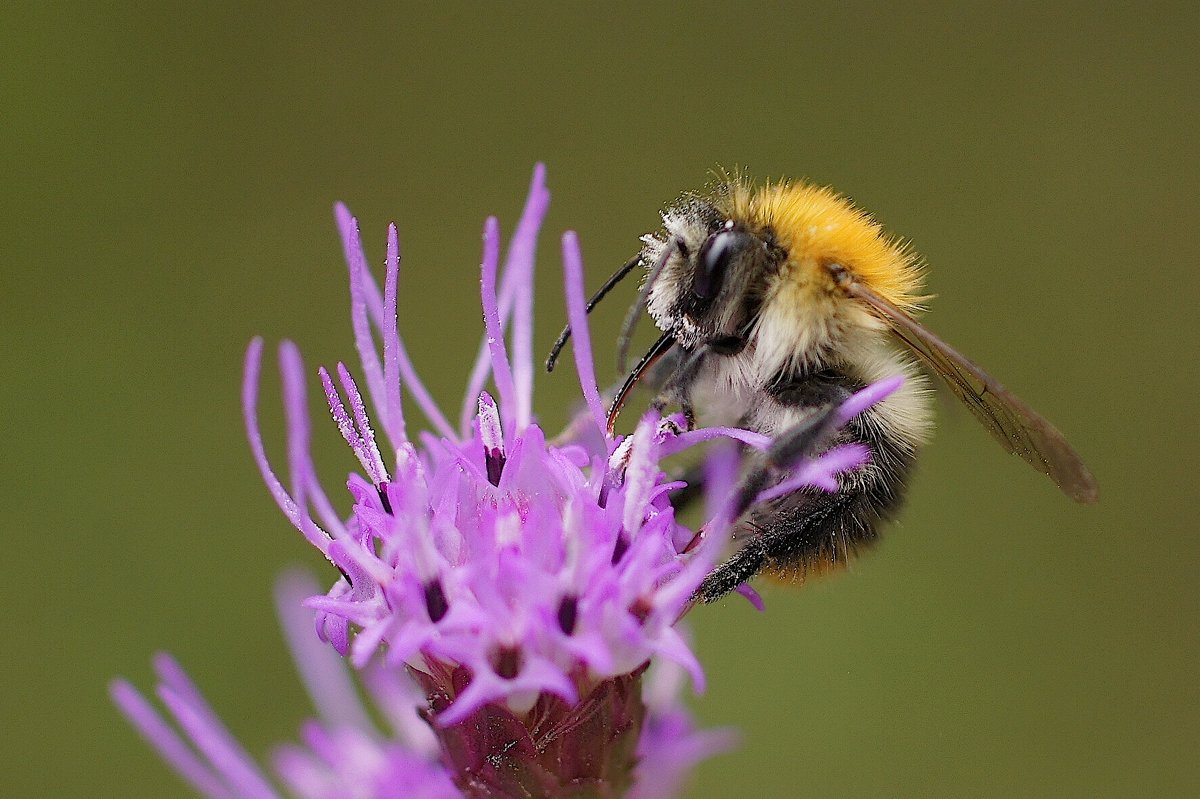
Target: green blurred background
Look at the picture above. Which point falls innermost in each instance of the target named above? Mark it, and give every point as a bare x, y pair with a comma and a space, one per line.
168, 176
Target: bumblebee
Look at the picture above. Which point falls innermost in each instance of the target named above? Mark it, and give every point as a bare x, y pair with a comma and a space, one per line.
775, 304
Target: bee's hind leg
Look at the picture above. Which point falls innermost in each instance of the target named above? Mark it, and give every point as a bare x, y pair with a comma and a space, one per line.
748, 562
804, 440
810, 530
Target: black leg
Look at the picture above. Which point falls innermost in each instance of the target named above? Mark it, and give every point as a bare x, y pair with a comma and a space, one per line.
811, 530
748, 562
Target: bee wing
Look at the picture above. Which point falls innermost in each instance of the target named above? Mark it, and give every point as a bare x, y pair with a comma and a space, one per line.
1018, 428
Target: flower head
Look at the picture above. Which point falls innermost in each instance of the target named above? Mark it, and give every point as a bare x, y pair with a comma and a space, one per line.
501, 593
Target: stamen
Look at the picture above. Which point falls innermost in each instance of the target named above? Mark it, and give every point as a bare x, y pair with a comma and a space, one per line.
360, 438
520, 261
386, 501
363, 423
492, 436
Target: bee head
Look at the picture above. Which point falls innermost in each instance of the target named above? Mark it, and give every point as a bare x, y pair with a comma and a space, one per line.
755, 270
707, 275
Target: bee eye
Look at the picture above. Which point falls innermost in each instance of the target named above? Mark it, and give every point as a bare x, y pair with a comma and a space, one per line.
716, 253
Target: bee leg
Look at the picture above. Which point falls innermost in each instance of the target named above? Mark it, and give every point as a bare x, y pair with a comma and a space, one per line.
815, 531
803, 440
674, 380
748, 562
689, 413
812, 531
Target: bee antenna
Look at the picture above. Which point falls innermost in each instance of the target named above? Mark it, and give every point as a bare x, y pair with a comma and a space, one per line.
636, 310
659, 349
613, 279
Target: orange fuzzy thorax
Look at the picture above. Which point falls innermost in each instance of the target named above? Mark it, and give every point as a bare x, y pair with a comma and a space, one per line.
817, 227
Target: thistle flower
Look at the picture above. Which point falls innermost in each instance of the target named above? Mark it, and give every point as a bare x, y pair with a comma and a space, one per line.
500, 595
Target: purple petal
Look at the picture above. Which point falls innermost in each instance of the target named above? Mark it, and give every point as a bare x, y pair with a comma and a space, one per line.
295, 406
527, 230
519, 264
486, 686
322, 671
674, 648
348, 228
374, 460
399, 700
393, 420
577, 317
693, 437
751, 596
159, 735
820, 472
669, 747
208, 733
304, 775
501, 371
316, 536
361, 322
861, 400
